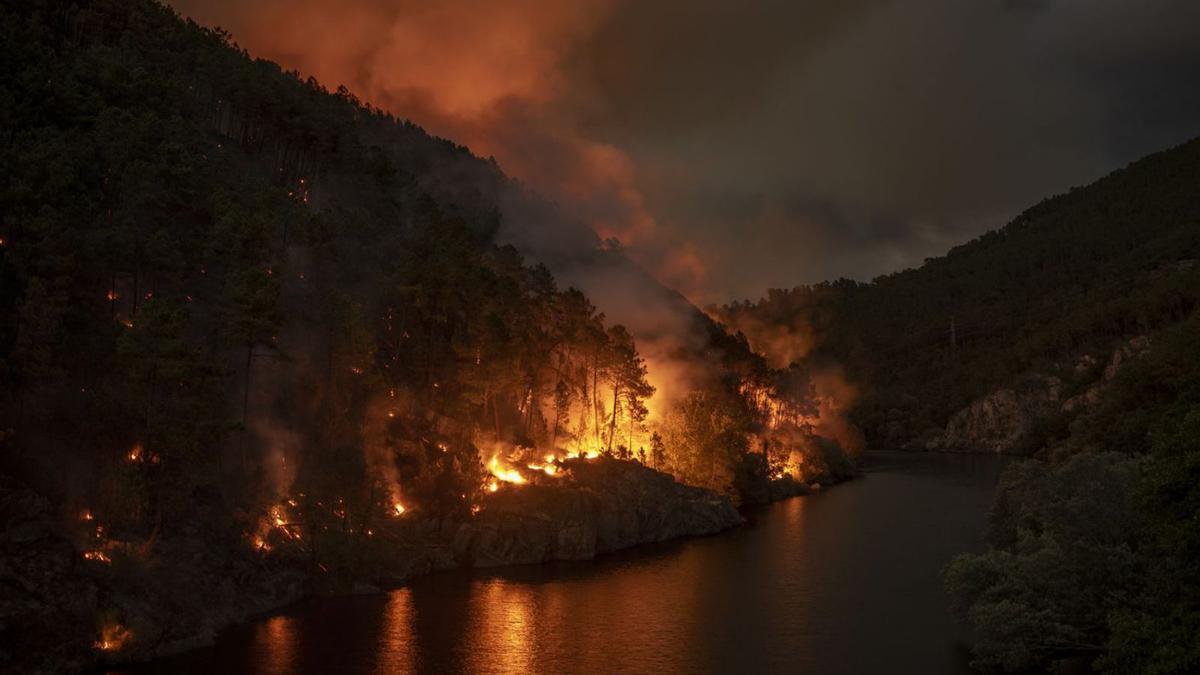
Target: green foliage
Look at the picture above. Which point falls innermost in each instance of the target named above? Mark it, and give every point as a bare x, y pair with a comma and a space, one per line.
1095, 554
1070, 557
1160, 631
1160, 386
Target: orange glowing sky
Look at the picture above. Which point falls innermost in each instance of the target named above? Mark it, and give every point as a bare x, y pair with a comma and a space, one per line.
736, 146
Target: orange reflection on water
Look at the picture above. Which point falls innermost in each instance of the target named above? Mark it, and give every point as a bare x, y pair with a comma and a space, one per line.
503, 636
280, 637
397, 645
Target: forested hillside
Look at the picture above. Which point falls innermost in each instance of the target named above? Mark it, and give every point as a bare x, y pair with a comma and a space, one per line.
1073, 276
1093, 546
253, 326
200, 246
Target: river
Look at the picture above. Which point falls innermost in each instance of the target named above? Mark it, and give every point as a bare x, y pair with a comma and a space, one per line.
845, 581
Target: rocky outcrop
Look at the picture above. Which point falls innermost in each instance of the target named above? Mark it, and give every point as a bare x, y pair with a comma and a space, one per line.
1002, 421
1005, 420
598, 506
1131, 349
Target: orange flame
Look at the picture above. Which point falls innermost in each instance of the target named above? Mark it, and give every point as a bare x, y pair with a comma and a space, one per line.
506, 475
112, 638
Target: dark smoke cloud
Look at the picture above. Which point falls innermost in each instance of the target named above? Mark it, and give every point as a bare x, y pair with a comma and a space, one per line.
735, 146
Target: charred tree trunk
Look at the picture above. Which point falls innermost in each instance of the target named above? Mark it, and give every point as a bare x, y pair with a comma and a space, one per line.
612, 424
595, 399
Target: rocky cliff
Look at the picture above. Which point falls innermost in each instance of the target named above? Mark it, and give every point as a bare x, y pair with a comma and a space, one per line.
601, 505
1006, 420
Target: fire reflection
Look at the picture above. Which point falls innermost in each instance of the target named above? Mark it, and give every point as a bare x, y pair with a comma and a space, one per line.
397, 639
504, 636
279, 635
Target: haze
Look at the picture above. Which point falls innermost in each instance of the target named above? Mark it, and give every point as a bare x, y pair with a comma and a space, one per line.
735, 147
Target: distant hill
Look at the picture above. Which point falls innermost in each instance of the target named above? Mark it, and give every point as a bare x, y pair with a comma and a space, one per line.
1073, 276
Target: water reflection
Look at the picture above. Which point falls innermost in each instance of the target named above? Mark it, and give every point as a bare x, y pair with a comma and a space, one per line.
397, 639
841, 582
503, 635
278, 637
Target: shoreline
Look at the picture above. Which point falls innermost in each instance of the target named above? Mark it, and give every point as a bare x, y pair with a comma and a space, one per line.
431, 560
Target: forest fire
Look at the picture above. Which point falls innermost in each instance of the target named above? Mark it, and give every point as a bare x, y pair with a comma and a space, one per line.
398, 509
98, 556
511, 468
505, 475
112, 638
793, 467
549, 468
776, 412
276, 520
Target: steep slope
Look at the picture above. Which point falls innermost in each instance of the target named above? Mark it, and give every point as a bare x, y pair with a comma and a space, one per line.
258, 337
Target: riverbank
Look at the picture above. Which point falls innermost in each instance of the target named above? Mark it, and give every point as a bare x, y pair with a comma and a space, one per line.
62, 613
802, 586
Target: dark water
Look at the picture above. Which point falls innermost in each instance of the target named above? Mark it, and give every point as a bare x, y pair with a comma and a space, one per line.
842, 582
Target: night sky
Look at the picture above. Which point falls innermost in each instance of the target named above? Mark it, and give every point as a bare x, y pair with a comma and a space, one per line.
738, 146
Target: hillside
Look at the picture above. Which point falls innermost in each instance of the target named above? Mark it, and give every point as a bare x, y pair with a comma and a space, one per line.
263, 338
1065, 283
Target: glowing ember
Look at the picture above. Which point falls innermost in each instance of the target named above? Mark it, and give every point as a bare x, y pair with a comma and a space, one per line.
98, 556
275, 519
86, 514
398, 509
475, 509
493, 486
135, 453
112, 638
